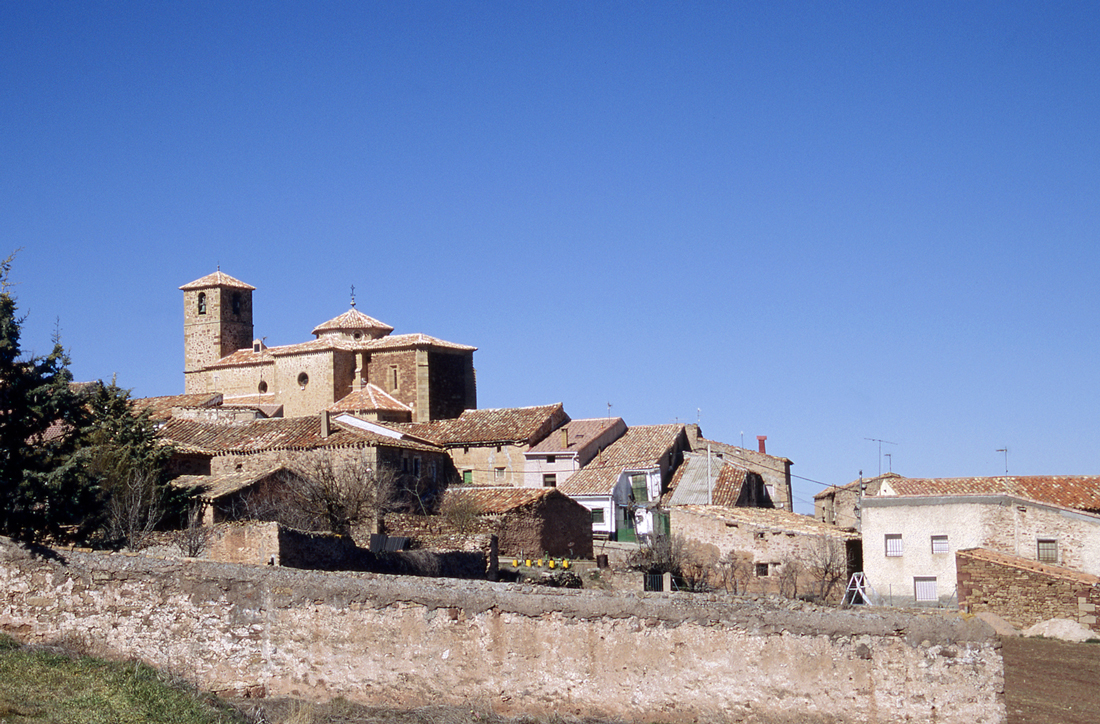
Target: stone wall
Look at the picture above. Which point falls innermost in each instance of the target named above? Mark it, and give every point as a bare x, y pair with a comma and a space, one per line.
402, 642
1024, 592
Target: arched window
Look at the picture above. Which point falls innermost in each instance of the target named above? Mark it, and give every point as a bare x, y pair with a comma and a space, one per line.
202, 302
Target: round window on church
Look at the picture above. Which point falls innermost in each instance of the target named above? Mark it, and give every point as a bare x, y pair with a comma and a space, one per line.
303, 380
263, 387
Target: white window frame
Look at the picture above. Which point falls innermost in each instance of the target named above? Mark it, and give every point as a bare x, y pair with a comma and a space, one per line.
943, 547
924, 589
894, 548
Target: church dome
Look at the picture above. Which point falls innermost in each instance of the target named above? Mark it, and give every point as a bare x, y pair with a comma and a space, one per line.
353, 324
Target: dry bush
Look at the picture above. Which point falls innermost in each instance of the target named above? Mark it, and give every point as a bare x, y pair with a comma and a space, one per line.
136, 508
827, 565
789, 572
734, 571
461, 513
193, 538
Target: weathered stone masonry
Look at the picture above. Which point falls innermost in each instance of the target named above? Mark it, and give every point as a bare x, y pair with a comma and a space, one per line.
407, 642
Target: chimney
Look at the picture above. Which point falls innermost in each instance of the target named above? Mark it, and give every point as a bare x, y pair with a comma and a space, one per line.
564, 438
760, 439
325, 425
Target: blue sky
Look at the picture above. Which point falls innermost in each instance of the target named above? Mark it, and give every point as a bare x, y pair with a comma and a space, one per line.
816, 222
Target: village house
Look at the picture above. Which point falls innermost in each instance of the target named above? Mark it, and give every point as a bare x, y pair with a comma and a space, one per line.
775, 471
708, 479
767, 550
528, 522
488, 447
839, 505
222, 451
623, 485
913, 527
568, 449
354, 363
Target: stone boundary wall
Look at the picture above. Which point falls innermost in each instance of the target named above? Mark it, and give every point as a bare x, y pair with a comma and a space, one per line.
1024, 592
407, 642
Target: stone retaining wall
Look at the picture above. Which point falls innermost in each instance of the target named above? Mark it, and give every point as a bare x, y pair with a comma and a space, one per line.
407, 642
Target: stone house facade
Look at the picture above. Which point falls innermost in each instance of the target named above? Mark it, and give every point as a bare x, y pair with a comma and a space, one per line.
839, 505
1025, 592
913, 528
776, 551
774, 471
431, 378
489, 446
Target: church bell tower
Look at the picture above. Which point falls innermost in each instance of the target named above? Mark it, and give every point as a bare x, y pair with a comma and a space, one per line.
217, 321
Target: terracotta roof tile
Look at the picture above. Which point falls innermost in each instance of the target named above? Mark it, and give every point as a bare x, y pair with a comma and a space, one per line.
213, 487
160, 408
689, 484
1069, 491
293, 433
217, 279
773, 519
497, 500
354, 321
371, 398
639, 448
872, 484
490, 426
580, 433
1027, 564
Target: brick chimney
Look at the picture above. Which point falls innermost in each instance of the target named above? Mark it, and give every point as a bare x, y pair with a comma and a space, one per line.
325, 424
761, 439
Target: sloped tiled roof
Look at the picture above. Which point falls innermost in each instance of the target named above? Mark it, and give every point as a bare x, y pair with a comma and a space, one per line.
213, 487
772, 519
248, 357
1026, 564
160, 408
352, 321
1069, 491
488, 426
217, 279
498, 499
640, 447
689, 485
580, 433
369, 399
291, 433
872, 484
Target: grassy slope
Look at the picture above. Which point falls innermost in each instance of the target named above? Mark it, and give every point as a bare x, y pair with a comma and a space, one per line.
47, 686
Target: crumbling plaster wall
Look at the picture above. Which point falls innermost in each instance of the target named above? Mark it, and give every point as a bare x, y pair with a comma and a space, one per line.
396, 641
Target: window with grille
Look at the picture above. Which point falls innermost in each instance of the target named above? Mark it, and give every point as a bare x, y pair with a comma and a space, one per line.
549, 480
1048, 550
924, 588
638, 487
939, 544
893, 545
761, 569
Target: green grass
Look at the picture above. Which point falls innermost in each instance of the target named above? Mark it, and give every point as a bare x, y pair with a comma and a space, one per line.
47, 686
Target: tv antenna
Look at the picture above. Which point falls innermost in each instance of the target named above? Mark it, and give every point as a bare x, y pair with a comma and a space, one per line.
1005, 451
889, 461
875, 439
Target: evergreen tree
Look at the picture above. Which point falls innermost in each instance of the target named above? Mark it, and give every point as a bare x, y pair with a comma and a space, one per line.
43, 489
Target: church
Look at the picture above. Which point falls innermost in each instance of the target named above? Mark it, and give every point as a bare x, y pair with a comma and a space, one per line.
354, 364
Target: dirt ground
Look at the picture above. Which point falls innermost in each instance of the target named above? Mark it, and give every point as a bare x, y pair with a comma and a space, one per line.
1051, 682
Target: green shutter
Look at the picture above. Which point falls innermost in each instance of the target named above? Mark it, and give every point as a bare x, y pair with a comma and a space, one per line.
638, 486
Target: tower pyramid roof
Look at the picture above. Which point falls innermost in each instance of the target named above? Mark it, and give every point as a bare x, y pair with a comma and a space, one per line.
217, 279
354, 321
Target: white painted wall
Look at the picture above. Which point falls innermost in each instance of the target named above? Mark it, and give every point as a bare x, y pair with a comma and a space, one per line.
1001, 523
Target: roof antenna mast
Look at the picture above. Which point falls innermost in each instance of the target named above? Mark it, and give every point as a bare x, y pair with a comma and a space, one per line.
875, 439
1005, 451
